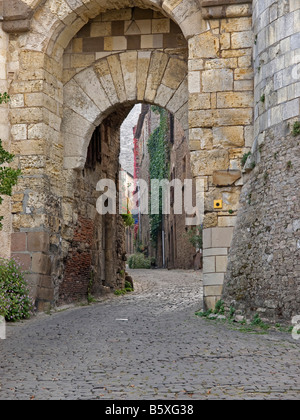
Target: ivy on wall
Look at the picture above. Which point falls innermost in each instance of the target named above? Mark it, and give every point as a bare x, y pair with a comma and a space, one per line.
159, 165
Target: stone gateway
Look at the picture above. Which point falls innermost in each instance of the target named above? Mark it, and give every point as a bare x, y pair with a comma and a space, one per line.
228, 70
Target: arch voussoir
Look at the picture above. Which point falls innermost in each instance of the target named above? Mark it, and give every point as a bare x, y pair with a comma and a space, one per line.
91, 95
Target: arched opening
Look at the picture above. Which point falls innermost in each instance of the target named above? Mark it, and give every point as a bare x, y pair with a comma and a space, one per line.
115, 61
77, 62
96, 259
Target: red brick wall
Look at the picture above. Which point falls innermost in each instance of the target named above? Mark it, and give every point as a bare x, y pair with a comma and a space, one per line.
78, 264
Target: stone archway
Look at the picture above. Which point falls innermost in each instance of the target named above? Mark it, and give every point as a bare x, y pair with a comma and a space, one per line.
217, 115
124, 78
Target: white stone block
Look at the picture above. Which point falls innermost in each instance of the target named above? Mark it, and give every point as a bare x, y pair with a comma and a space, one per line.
209, 264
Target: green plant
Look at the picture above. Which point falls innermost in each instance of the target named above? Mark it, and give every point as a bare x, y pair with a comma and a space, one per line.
128, 219
219, 307
158, 166
296, 129
128, 287
230, 211
120, 292
257, 322
263, 98
15, 302
245, 157
4, 97
8, 176
204, 314
139, 260
195, 236
289, 165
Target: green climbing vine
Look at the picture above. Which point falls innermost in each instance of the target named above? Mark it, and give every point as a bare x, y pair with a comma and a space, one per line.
159, 165
8, 175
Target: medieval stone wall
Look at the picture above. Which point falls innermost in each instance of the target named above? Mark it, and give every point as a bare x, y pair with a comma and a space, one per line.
221, 130
95, 260
263, 272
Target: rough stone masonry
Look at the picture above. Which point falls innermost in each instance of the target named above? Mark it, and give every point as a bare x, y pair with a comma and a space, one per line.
227, 70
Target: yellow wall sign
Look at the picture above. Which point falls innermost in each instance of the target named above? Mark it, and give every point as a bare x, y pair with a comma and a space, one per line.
218, 204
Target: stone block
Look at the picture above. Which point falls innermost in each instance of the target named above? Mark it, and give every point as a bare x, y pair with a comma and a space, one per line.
175, 73
209, 43
243, 39
217, 80
205, 162
221, 264
19, 131
206, 239
45, 294
210, 301
95, 44
213, 279
236, 24
38, 242
102, 29
160, 26
18, 242
225, 178
157, 67
214, 251
24, 259
234, 99
80, 102
212, 290
117, 75
115, 43
41, 263
142, 70
180, 99
194, 82
221, 237
226, 221
209, 264
210, 220
169, 5
152, 41
45, 281
233, 116
228, 136
129, 69
164, 94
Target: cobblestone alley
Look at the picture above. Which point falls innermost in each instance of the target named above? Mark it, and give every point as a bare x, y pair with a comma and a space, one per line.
145, 345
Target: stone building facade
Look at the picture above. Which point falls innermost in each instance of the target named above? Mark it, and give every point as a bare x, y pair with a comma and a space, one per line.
227, 70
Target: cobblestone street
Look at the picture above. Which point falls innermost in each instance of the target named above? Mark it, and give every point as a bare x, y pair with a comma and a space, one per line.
145, 345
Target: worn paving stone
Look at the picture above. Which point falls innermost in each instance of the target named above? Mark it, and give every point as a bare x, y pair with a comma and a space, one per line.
162, 351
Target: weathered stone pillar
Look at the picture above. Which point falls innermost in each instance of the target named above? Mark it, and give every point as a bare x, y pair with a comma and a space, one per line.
5, 210
220, 126
263, 271
35, 116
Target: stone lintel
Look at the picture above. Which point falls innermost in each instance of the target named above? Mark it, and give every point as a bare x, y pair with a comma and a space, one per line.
16, 16
221, 9
226, 178
210, 3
